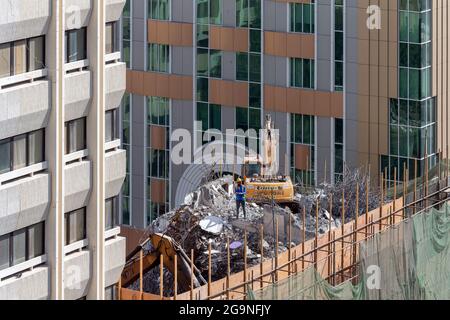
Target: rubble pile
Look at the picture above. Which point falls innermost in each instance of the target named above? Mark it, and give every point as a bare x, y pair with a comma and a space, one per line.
208, 216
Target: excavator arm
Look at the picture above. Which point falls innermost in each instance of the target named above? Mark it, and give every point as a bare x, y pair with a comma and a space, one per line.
168, 248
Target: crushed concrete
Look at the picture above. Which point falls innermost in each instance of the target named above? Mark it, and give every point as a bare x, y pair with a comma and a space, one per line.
208, 216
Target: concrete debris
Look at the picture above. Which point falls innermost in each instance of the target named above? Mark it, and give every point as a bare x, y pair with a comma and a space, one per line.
212, 224
208, 217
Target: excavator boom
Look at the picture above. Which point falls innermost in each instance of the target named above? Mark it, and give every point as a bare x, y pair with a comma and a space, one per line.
166, 247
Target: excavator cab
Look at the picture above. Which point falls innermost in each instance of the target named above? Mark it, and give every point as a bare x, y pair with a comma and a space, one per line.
260, 177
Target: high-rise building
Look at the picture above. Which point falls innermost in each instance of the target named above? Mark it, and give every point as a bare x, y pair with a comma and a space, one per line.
348, 83
61, 165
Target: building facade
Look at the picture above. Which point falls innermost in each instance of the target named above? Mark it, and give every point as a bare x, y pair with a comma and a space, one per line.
348, 82
62, 166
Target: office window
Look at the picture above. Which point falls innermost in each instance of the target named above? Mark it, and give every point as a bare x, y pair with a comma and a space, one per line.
158, 163
19, 145
76, 44
4, 251
35, 241
22, 56
5, 155
36, 47
75, 223
22, 151
302, 73
248, 13
110, 37
209, 11
5, 60
302, 17
248, 67
21, 245
158, 57
75, 135
110, 125
302, 129
210, 115
36, 147
110, 292
159, 9
110, 213
158, 111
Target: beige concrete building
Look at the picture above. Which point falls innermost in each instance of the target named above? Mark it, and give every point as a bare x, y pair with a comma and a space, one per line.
61, 166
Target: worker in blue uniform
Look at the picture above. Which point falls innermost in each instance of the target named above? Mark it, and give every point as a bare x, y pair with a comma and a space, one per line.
240, 192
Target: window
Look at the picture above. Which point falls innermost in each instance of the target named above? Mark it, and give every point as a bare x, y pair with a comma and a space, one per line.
209, 63
76, 44
126, 33
126, 119
248, 67
21, 245
339, 45
110, 213
338, 149
209, 11
302, 73
158, 112
210, 116
248, 13
75, 135
159, 9
4, 252
22, 56
303, 133
302, 17
5, 60
158, 57
158, 163
22, 151
35, 241
110, 292
75, 223
110, 38
111, 125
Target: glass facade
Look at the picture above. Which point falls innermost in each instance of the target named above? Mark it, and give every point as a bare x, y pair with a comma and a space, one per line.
413, 115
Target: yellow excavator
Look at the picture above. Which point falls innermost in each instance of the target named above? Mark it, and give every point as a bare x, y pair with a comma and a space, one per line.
260, 174
168, 248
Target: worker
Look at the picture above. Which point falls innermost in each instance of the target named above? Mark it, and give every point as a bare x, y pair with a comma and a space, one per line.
240, 197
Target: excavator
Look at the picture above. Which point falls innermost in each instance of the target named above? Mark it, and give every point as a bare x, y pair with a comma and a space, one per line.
168, 248
261, 180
